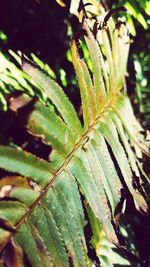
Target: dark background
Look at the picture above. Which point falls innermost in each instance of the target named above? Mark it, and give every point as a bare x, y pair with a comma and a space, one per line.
37, 27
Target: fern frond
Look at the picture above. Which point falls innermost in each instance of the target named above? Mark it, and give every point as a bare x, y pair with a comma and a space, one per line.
47, 219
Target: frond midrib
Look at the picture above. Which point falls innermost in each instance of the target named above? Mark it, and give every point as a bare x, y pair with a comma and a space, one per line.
109, 104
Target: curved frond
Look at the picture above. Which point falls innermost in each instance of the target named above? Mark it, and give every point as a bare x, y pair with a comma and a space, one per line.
46, 219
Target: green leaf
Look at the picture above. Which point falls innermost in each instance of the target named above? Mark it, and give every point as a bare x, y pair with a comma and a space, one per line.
86, 87
43, 220
95, 195
124, 138
67, 211
57, 96
12, 78
112, 185
25, 195
33, 247
132, 126
11, 210
119, 153
46, 125
25, 164
99, 92
137, 15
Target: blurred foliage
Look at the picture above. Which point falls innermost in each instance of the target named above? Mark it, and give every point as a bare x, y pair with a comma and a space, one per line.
138, 11
142, 67
37, 27
139, 60
12, 78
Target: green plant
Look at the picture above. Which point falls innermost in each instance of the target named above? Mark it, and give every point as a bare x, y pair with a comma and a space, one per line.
141, 63
12, 78
42, 214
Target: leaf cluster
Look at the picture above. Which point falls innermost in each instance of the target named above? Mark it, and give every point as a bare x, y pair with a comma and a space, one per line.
93, 166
